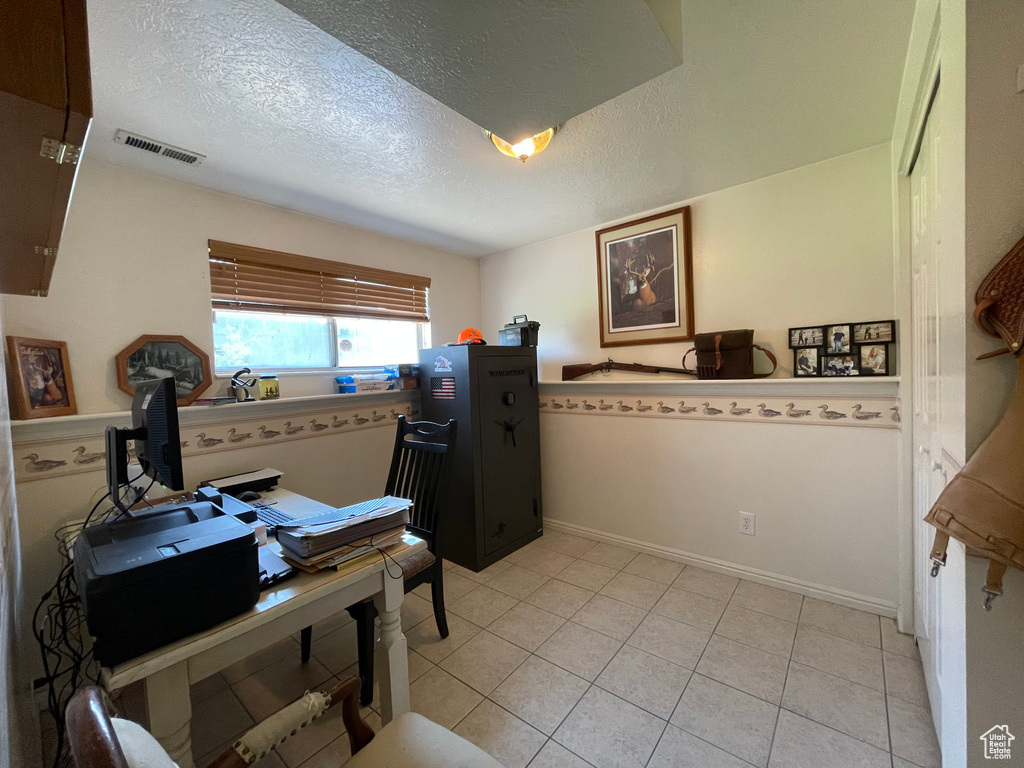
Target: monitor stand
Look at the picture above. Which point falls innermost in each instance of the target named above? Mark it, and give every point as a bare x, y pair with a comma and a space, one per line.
117, 461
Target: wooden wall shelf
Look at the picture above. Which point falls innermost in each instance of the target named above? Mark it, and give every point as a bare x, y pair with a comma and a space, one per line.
838, 386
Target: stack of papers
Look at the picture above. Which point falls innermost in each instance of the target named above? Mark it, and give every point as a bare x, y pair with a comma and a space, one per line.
356, 554
340, 536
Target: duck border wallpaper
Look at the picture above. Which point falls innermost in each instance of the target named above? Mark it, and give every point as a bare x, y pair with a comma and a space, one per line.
46, 449
817, 410
36, 459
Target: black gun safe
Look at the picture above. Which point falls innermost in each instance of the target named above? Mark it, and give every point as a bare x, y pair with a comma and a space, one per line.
494, 502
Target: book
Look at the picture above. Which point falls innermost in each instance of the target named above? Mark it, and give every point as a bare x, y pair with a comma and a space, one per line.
372, 547
309, 540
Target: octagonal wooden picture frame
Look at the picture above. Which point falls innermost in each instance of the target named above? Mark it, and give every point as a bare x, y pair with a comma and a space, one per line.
153, 356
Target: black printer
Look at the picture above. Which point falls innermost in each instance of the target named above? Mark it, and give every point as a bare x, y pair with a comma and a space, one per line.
162, 575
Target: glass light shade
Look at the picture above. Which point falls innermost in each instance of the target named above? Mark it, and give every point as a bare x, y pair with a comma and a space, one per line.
526, 148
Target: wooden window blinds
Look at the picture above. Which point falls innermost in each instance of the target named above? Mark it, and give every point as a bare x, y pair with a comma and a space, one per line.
258, 280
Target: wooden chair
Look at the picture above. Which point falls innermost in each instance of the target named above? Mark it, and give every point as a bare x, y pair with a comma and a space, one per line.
99, 739
420, 470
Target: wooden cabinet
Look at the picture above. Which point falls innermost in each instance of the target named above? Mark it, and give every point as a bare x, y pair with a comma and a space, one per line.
45, 111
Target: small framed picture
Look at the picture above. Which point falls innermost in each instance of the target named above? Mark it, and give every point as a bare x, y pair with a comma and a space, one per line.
806, 361
880, 330
837, 340
40, 374
154, 357
805, 337
874, 359
840, 365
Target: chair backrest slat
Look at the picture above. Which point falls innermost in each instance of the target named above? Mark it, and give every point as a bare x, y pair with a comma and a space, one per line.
420, 469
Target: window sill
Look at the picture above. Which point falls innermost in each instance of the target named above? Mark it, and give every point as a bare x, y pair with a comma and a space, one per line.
226, 374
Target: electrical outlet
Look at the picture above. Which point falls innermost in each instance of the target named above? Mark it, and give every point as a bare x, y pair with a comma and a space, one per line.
748, 523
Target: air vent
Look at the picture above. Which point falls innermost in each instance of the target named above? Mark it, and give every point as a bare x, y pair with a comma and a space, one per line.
158, 148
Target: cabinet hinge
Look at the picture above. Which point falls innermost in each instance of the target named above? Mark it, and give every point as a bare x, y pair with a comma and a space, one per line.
42, 250
60, 152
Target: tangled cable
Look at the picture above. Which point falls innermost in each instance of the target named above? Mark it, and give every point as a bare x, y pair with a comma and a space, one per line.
58, 624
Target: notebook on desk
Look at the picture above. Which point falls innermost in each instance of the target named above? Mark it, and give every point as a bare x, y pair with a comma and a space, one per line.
329, 532
370, 508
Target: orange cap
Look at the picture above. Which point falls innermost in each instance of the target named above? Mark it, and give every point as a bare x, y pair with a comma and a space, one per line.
471, 336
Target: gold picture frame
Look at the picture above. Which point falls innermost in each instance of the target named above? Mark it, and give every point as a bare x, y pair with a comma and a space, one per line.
40, 378
645, 280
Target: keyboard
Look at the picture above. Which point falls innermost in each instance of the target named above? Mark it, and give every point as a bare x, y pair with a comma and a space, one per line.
272, 517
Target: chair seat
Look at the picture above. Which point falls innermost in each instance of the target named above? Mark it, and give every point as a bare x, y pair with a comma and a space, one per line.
414, 565
418, 563
413, 741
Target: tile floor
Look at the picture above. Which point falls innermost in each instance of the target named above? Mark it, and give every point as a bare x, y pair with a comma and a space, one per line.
571, 653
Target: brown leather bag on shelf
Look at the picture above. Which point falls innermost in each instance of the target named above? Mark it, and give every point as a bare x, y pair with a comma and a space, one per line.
983, 506
727, 355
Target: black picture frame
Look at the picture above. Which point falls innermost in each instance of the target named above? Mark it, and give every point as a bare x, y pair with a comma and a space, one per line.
852, 368
815, 366
809, 340
868, 332
846, 330
871, 368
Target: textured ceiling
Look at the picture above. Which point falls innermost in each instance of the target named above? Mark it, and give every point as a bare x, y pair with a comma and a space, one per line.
288, 115
516, 67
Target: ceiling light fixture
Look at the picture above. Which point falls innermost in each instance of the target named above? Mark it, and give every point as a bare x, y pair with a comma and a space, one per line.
526, 148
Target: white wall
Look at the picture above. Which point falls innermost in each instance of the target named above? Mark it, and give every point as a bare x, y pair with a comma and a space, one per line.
134, 260
994, 223
810, 246
681, 484
994, 189
805, 247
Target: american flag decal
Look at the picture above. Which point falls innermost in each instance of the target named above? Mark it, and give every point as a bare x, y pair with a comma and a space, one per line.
443, 387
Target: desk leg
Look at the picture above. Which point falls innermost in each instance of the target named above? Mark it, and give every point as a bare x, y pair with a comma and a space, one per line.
170, 712
392, 660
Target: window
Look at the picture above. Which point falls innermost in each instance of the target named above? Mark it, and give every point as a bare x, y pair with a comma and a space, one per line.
282, 311
265, 340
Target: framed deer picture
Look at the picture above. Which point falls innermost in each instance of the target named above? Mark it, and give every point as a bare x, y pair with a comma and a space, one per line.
40, 378
645, 280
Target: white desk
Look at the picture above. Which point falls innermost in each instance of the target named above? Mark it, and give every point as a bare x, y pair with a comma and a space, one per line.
300, 601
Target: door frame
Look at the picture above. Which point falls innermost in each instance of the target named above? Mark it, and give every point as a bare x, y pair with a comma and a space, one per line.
905, 150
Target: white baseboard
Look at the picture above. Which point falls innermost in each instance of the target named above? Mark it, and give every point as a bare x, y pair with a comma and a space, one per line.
819, 591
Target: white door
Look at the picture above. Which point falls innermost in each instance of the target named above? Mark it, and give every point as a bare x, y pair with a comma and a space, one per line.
938, 602
926, 347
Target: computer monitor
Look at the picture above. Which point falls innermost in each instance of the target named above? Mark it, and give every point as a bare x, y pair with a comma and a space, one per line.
155, 432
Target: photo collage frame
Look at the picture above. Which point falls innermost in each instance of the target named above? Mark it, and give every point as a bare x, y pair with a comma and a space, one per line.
843, 349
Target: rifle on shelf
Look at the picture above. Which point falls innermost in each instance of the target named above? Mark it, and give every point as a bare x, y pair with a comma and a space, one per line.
570, 372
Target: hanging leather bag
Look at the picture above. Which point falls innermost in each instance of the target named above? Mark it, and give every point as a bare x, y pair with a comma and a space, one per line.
727, 355
983, 506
